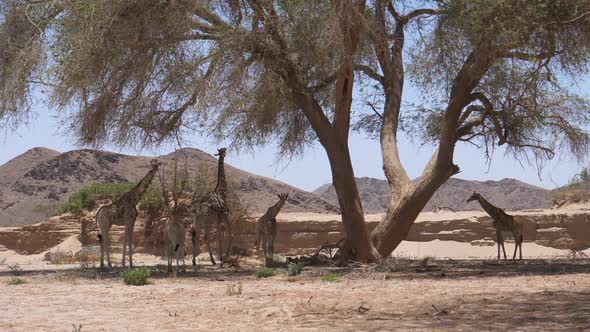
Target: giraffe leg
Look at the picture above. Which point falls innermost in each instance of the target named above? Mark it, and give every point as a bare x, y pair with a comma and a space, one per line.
176, 272
124, 248
272, 253
219, 242
101, 240
208, 242
168, 255
131, 247
194, 241
498, 240
264, 250
107, 247
504, 250
271, 244
520, 247
182, 255
516, 244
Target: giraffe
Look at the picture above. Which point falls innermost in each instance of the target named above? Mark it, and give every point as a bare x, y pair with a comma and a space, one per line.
210, 208
503, 223
174, 238
266, 229
122, 212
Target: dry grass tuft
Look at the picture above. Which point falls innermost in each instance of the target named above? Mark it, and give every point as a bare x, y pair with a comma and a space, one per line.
234, 289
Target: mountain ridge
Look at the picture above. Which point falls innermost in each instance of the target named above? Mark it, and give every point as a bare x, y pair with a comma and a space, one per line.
34, 183
507, 193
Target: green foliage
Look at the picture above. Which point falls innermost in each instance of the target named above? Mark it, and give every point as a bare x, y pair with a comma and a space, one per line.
85, 198
136, 277
152, 202
331, 277
294, 269
16, 281
265, 272
577, 190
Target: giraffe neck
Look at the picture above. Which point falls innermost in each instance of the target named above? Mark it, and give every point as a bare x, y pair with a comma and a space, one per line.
221, 186
489, 208
134, 195
275, 209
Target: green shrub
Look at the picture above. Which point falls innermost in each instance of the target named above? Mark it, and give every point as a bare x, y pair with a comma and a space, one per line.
136, 277
151, 202
577, 190
332, 277
85, 198
294, 269
16, 281
265, 272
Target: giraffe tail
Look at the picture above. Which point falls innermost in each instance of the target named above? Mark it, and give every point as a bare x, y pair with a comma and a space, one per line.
176, 248
100, 237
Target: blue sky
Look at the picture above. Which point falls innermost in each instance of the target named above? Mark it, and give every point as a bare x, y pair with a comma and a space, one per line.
312, 169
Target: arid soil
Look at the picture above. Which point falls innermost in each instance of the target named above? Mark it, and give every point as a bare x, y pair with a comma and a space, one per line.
531, 295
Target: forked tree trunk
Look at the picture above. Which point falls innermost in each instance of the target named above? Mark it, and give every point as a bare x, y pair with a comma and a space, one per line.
404, 209
356, 245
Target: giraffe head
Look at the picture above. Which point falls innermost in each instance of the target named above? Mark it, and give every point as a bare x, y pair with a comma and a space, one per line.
155, 163
221, 153
473, 197
283, 197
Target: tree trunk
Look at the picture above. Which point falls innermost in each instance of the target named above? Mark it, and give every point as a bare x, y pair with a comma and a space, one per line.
356, 245
404, 209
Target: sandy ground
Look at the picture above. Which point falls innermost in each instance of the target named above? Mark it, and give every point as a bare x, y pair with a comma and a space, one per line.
450, 295
407, 249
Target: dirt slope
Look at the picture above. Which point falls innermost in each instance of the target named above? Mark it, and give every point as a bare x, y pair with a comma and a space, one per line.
33, 184
509, 194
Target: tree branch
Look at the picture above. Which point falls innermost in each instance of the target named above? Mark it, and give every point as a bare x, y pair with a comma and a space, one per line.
323, 83
404, 19
370, 72
527, 56
575, 18
374, 110
489, 108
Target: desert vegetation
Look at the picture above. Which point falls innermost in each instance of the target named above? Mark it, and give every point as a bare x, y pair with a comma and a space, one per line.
289, 70
136, 277
86, 198
576, 191
497, 75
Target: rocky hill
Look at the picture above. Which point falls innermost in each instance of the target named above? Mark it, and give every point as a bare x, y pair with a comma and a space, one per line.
33, 184
509, 194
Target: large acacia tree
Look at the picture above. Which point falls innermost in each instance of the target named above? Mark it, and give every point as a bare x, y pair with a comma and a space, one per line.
143, 72
493, 72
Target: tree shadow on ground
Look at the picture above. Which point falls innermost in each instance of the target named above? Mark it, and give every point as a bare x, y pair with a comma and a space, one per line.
544, 311
457, 269
391, 269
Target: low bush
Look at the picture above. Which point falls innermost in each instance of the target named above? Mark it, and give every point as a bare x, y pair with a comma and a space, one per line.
332, 277
294, 269
85, 198
136, 277
16, 281
265, 272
